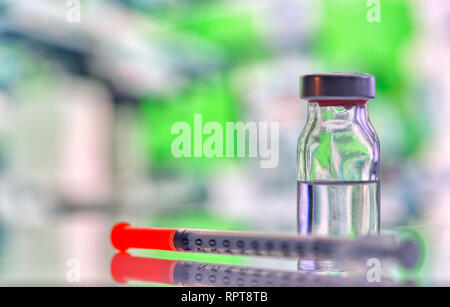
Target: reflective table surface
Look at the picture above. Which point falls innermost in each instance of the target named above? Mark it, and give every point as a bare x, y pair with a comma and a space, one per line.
73, 248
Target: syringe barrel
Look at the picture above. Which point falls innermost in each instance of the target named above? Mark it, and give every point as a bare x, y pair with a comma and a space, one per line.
294, 246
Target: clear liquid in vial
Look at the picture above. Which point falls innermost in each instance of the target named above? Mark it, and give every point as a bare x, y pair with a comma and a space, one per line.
338, 208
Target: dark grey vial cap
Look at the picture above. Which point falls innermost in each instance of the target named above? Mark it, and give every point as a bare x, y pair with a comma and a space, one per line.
337, 86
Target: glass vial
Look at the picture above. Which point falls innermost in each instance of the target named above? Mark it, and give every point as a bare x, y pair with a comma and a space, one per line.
338, 153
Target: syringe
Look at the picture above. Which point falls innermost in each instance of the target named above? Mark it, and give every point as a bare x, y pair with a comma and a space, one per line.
125, 268
123, 237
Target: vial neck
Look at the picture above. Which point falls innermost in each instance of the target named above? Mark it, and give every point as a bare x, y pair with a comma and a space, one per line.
339, 103
349, 110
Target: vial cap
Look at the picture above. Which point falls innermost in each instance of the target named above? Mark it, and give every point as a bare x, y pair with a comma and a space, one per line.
337, 86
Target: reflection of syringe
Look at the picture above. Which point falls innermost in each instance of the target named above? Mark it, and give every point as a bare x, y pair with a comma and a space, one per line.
123, 237
126, 268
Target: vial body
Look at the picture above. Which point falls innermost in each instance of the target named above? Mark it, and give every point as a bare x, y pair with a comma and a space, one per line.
338, 193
